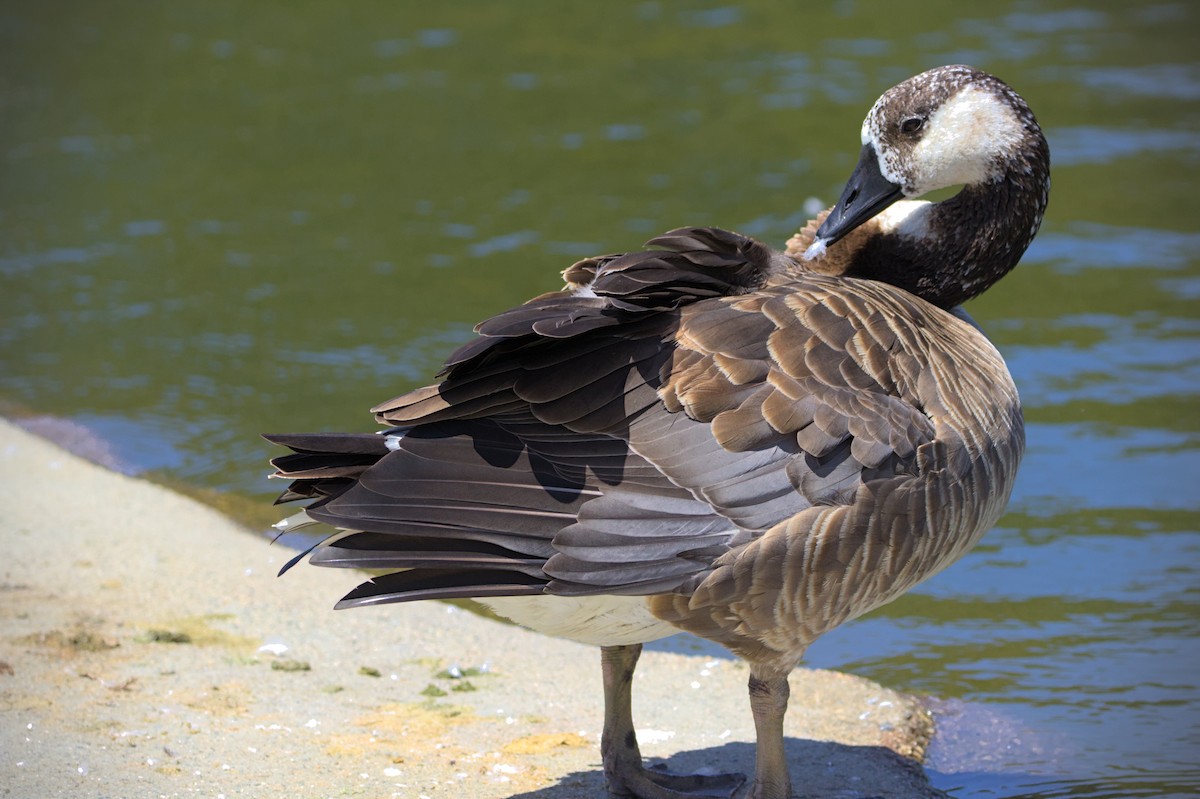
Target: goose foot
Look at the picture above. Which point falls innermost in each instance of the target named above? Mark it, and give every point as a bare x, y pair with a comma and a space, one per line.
632, 781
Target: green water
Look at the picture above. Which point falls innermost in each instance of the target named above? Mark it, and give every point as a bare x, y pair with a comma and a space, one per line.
221, 218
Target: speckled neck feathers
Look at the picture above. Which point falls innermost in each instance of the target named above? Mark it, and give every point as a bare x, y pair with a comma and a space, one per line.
972, 240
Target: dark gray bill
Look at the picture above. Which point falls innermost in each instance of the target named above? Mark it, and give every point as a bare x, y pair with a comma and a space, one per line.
867, 193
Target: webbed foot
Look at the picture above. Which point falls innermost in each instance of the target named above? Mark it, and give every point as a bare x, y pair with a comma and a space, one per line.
633, 781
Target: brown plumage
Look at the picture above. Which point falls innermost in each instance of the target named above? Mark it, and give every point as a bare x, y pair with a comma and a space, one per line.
712, 436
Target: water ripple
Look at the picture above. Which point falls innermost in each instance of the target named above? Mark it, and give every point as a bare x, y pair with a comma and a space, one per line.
504, 243
1168, 81
1110, 372
1084, 466
18, 264
1087, 245
1090, 144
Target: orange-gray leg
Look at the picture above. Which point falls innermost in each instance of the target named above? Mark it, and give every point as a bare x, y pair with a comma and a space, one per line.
768, 702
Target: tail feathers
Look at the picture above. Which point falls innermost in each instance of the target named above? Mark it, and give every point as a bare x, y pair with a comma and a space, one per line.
324, 490
328, 443
324, 465
410, 586
383, 551
313, 466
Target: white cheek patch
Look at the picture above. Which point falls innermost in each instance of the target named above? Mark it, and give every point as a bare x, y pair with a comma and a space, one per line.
963, 139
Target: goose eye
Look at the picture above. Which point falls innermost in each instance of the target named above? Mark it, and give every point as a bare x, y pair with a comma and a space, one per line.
911, 125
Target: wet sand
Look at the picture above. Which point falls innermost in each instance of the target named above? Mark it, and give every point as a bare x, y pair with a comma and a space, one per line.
148, 649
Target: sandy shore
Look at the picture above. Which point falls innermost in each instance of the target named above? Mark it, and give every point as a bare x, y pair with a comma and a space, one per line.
132, 627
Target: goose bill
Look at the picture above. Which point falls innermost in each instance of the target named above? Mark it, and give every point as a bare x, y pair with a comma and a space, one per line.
867, 193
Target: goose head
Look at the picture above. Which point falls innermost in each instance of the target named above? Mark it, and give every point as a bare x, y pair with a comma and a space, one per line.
950, 126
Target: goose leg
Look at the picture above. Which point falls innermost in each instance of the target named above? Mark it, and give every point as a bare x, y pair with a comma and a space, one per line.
768, 702
627, 777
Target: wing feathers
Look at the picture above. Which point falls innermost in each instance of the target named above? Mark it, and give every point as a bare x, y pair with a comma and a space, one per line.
626, 434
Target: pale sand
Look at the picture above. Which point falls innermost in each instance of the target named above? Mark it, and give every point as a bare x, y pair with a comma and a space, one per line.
90, 706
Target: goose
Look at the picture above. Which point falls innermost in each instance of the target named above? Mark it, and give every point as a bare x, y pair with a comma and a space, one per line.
712, 436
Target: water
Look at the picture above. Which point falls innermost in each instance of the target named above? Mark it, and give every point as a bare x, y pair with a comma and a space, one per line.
218, 219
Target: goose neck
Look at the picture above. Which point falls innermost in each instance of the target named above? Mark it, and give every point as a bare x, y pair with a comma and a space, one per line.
951, 251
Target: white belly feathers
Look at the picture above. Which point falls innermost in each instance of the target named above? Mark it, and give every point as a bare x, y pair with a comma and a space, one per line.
597, 620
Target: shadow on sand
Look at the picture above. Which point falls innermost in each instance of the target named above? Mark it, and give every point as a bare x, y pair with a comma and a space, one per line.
820, 770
